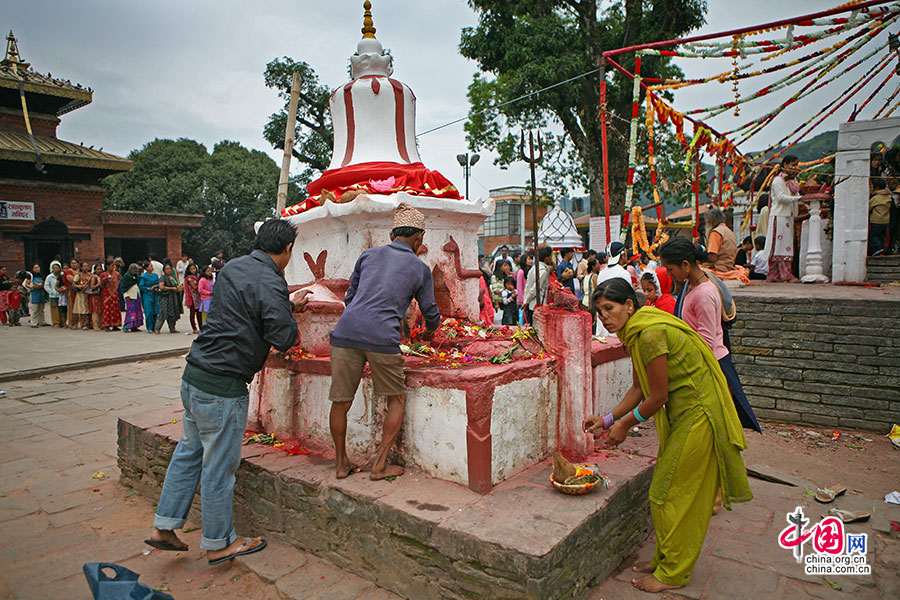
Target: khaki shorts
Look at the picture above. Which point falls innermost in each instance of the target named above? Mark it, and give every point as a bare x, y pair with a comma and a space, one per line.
347, 368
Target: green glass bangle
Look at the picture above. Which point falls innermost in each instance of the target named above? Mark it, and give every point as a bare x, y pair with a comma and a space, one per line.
637, 415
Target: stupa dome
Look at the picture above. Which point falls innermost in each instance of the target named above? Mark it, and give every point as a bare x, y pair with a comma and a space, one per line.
558, 230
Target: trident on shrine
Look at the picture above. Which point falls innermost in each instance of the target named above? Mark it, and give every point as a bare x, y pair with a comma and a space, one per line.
533, 160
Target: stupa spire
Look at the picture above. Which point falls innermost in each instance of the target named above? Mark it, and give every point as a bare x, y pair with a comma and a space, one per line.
370, 58
13, 58
368, 29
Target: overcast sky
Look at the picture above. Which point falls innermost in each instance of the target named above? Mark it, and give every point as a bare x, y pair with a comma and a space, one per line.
193, 68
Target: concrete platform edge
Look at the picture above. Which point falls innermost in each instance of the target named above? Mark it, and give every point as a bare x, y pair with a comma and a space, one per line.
90, 364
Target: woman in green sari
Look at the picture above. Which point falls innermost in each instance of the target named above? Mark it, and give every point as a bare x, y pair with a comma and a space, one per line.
677, 379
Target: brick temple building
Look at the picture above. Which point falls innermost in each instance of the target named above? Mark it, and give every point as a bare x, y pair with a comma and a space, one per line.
51, 199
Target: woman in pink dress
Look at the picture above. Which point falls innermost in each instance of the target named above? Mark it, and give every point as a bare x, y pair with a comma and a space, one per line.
205, 287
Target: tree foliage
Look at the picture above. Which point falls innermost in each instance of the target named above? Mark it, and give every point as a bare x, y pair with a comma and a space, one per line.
527, 45
233, 187
313, 135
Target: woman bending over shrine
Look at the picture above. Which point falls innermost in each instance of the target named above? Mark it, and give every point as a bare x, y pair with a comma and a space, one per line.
678, 380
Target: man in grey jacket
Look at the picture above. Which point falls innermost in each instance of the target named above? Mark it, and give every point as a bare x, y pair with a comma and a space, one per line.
250, 313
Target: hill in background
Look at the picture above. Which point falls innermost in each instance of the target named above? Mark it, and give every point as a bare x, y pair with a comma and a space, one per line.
822, 145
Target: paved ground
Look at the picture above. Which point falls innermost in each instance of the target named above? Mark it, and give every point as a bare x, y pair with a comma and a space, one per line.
57, 511
49, 347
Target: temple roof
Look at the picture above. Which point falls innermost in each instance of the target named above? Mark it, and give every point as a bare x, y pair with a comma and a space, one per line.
17, 147
13, 71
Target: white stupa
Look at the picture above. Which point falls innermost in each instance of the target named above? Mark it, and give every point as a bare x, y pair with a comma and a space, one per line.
558, 230
374, 122
374, 167
374, 116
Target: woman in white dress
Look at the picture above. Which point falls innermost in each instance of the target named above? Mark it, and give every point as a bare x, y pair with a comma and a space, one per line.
785, 193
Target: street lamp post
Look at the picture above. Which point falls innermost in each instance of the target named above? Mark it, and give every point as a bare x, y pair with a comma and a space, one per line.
467, 162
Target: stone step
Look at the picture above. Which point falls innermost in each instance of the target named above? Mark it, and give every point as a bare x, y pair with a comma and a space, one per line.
893, 260
418, 536
881, 269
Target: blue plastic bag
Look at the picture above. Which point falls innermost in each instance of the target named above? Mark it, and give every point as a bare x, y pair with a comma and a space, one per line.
123, 586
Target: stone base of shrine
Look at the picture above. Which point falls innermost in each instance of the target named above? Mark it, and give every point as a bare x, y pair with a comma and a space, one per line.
422, 537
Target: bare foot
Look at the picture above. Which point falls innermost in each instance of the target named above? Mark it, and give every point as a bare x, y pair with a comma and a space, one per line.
168, 536
346, 469
649, 583
196, 331
238, 546
388, 471
717, 505
646, 566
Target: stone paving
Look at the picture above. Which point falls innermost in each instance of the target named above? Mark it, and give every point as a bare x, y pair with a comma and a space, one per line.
44, 348
58, 432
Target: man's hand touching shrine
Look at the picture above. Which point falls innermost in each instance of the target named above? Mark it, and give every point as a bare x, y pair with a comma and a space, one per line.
301, 297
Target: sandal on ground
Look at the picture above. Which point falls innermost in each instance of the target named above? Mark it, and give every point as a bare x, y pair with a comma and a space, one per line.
163, 545
240, 552
850, 516
826, 495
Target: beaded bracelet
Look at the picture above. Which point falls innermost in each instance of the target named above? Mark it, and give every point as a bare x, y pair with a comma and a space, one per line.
608, 420
637, 415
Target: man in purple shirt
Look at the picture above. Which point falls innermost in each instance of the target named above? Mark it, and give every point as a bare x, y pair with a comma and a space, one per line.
383, 283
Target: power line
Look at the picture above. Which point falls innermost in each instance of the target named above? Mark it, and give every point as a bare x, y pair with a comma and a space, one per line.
529, 95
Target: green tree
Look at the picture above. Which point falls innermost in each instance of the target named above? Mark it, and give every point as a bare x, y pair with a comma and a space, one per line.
233, 187
313, 135
526, 45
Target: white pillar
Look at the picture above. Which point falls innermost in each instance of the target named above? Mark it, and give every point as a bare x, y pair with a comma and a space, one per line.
815, 273
851, 195
851, 215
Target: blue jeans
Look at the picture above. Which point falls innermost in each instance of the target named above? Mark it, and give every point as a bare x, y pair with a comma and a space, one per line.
209, 452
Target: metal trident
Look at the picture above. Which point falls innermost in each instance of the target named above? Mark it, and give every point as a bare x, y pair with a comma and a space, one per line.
533, 160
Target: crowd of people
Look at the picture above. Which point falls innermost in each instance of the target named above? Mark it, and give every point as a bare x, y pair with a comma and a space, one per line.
108, 296
511, 284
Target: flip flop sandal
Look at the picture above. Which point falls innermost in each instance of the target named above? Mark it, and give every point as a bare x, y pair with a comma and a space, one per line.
825, 495
161, 545
850, 516
261, 545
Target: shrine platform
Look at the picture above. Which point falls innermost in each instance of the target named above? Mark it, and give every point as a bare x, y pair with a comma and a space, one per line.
819, 355
423, 537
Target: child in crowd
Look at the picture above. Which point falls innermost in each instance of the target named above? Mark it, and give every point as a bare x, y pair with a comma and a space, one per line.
743, 254
508, 303
63, 303
205, 287
759, 267
657, 286
15, 299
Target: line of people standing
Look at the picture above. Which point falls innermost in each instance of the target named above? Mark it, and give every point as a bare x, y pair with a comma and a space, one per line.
83, 295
